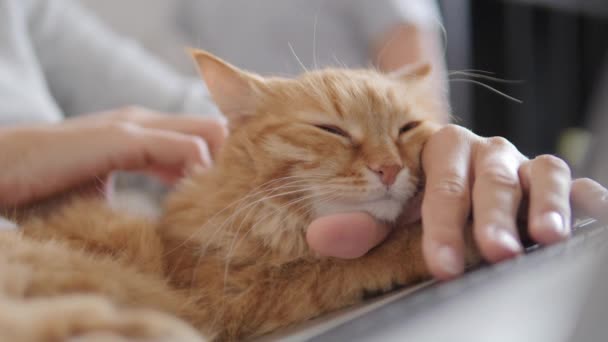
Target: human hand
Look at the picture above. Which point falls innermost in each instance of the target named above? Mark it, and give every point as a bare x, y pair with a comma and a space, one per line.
467, 173
42, 160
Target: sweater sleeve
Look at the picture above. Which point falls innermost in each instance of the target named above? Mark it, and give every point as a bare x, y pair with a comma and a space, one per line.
6, 224
90, 68
375, 18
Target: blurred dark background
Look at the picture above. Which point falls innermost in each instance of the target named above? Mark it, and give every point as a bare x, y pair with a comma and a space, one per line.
557, 48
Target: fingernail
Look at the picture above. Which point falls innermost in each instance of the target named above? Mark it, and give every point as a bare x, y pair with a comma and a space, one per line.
206, 157
554, 222
505, 239
449, 260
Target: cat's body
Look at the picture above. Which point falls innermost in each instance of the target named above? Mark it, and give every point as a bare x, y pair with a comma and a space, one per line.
229, 255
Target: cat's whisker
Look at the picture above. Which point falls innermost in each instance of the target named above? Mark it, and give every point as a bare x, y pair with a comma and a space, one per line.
286, 205
231, 248
478, 71
487, 87
485, 77
231, 218
253, 204
318, 201
245, 236
306, 212
444, 35
245, 219
251, 195
314, 42
262, 199
339, 62
255, 191
279, 208
202, 252
293, 52
235, 243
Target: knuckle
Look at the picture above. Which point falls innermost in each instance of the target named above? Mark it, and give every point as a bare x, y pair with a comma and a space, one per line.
129, 113
552, 162
499, 142
453, 131
498, 147
123, 128
451, 186
585, 182
502, 177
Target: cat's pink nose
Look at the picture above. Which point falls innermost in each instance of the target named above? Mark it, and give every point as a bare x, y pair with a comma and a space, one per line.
387, 172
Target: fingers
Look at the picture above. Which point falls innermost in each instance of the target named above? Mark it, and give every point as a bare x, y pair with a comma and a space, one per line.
496, 197
212, 131
548, 179
346, 236
454, 160
149, 148
165, 146
589, 198
59, 157
446, 203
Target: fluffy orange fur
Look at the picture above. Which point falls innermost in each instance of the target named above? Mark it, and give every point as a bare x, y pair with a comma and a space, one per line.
228, 259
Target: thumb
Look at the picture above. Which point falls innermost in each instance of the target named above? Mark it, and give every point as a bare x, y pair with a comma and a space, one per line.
345, 236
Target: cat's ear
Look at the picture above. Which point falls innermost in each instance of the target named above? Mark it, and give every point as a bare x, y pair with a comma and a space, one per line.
413, 72
235, 92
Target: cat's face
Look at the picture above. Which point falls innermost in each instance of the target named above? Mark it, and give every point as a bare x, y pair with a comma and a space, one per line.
331, 141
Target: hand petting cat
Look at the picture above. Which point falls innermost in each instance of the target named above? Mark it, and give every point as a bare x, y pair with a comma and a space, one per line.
43, 160
468, 174
464, 173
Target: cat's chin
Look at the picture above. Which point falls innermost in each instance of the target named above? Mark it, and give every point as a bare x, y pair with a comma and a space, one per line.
382, 209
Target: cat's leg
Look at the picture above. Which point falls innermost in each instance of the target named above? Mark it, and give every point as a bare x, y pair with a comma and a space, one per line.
398, 261
302, 290
249, 301
86, 318
91, 224
41, 277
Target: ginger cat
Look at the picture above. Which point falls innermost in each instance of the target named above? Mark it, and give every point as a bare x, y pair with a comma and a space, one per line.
228, 259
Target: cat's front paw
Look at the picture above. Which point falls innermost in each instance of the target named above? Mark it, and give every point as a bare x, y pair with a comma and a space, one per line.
89, 319
137, 326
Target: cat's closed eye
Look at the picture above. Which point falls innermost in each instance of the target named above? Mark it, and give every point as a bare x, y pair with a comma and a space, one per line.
409, 126
333, 130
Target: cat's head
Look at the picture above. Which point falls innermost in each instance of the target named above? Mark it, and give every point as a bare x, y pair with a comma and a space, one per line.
339, 140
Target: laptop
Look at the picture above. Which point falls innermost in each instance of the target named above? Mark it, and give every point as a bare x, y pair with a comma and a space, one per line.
540, 296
